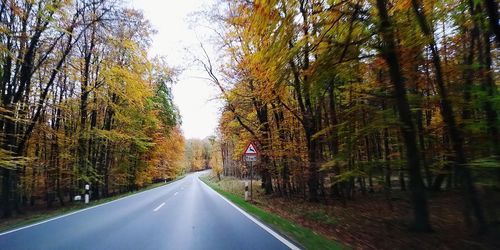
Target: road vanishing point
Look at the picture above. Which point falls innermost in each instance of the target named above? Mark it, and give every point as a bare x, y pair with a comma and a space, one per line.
186, 214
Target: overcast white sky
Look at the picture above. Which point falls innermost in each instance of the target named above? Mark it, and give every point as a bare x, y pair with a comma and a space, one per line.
193, 95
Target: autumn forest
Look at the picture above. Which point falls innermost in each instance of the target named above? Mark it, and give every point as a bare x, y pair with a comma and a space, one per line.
350, 98
346, 100
81, 103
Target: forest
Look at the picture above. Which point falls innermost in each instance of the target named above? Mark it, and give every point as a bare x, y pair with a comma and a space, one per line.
81, 103
352, 98
372, 109
203, 154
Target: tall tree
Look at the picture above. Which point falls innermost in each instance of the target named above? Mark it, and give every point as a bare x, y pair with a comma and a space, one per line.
419, 199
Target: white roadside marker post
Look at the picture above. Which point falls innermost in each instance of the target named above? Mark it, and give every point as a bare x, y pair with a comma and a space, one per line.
246, 190
87, 193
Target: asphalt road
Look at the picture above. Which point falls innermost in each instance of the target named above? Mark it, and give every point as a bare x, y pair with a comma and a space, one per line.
185, 214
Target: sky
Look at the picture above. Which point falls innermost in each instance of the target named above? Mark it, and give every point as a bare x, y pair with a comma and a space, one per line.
193, 95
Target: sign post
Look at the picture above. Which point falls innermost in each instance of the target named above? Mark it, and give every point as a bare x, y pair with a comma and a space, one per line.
251, 180
250, 156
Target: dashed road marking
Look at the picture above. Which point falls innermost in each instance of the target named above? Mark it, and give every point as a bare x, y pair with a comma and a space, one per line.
158, 208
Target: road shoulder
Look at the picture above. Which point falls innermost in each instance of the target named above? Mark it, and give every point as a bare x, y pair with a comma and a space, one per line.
301, 236
27, 220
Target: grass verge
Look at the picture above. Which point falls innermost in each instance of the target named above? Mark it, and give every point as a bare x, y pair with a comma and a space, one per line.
304, 236
37, 216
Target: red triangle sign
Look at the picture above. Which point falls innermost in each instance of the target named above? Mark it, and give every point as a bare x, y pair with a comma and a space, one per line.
251, 150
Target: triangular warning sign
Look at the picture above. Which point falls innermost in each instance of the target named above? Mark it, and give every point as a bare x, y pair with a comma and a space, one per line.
251, 150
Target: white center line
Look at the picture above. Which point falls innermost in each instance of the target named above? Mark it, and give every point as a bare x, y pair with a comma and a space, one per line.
158, 208
176, 193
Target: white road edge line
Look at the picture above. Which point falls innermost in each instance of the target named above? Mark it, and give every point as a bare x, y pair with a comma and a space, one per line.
82, 210
266, 228
158, 208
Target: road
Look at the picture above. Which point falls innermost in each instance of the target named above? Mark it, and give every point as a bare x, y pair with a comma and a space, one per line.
185, 214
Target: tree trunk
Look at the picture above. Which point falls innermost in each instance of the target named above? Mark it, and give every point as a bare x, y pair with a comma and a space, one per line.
313, 180
418, 196
492, 10
470, 194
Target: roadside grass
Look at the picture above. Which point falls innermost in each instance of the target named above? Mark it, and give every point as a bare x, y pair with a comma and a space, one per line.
32, 217
304, 236
320, 217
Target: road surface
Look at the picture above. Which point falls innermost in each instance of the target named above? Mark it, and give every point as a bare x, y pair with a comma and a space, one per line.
185, 214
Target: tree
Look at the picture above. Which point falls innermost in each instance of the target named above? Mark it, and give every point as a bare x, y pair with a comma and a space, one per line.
81, 103
341, 97
420, 207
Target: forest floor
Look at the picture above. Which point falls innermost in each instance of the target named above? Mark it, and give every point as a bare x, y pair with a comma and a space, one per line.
368, 222
40, 212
